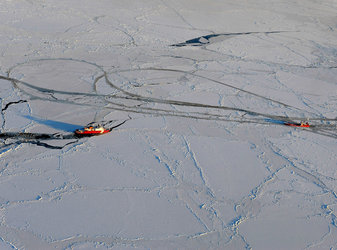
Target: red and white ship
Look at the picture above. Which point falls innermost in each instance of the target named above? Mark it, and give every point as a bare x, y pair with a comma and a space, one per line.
294, 124
91, 130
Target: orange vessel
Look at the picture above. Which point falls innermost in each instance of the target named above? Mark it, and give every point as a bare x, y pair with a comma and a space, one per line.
90, 131
302, 124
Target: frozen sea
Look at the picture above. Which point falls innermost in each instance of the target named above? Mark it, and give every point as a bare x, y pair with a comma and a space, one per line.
198, 94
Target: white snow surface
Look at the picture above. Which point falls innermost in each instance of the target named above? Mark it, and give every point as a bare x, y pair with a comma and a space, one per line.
204, 160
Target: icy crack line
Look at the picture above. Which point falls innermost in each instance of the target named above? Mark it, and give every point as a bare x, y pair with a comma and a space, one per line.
197, 165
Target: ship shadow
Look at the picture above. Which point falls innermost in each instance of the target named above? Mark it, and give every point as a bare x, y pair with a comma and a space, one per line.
67, 127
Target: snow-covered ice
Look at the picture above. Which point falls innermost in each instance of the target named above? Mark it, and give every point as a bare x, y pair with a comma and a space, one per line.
203, 160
